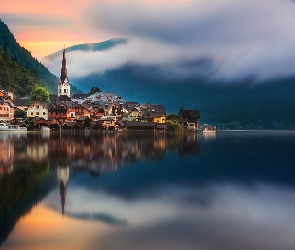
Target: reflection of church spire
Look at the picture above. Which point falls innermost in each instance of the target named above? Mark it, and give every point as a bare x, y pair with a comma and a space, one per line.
63, 178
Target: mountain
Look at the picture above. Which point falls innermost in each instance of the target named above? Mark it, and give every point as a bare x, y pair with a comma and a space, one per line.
247, 104
25, 58
91, 46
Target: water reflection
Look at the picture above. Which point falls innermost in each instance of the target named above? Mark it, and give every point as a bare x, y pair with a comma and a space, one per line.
134, 191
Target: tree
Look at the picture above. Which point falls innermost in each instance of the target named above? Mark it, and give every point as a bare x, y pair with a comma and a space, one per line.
174, 125
171, 117
94, 90
40, 94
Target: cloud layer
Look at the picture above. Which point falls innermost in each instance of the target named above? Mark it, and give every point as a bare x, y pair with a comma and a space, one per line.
222, 39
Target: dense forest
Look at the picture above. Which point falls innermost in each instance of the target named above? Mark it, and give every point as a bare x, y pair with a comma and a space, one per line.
16, 78
22, 56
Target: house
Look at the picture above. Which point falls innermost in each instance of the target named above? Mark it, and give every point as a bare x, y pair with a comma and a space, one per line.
191, 117
7, 107
109, 101
38, 109
134, 114
6, 94
36, 123
79, 98
22, 103
58, 110
105, 123
84, 122
97, 111
129, 106
81, 111
153, 113
141, 125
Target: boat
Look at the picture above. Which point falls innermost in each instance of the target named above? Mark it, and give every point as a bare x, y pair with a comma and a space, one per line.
10, 127
206, 128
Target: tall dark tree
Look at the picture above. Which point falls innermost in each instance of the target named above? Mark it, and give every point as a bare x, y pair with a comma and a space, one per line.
94, 90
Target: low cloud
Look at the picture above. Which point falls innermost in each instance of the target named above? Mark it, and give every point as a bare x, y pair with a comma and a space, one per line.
220, 39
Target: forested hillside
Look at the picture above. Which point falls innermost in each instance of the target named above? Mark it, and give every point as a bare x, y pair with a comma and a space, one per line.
24, 57
16, 78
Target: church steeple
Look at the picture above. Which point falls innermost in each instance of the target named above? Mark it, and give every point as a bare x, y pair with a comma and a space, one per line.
64, 71
64, 87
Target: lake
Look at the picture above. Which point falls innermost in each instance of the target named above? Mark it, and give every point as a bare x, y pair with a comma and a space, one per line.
231, 190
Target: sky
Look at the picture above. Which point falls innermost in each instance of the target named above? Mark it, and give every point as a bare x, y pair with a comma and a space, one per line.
231, 39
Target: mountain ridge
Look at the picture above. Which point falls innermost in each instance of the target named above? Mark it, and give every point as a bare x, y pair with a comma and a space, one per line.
25, 58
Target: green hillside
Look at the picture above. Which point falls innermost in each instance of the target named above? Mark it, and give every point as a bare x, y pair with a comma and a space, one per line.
16, 78
25, 58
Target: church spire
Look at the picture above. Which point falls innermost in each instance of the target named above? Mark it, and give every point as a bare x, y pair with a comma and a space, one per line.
64, 71
64, 87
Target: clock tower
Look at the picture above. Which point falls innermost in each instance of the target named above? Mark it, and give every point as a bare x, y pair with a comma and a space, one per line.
64, 87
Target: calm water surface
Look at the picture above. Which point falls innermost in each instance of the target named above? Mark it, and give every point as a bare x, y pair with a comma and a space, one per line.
233, 190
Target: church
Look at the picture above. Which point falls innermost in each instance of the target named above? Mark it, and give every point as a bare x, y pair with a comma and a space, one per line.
64, 87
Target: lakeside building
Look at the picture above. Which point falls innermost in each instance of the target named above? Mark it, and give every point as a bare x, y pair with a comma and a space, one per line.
7, 107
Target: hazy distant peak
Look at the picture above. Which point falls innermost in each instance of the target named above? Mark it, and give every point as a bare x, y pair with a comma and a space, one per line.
92, 46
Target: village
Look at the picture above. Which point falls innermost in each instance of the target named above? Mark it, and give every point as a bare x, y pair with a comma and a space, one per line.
100, 111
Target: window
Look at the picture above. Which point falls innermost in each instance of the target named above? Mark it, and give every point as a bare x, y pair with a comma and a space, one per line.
37, 106
32, 113
37, 113
44, 113
60, 91
65, 90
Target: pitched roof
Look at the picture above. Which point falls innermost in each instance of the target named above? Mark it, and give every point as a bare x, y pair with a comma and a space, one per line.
64, 98
80, 96
21, 102
190, 114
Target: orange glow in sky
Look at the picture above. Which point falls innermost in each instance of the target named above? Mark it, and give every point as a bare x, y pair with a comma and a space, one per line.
43, 27
39, 35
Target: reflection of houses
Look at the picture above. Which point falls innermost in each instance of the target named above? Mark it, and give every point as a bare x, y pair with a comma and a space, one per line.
6, 156
104, 152
189, 145
37, 152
